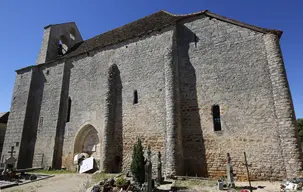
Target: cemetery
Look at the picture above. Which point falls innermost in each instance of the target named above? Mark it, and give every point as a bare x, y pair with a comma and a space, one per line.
169, 102
10, 176
141, 177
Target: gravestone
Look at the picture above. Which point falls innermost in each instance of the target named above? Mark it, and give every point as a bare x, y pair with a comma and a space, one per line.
230, 172
159, 168
9, 164
148, 172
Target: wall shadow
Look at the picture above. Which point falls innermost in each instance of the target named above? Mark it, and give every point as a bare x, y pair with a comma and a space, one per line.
3, 120
118, 125
62, 117
112, 143
32, 121
193, 143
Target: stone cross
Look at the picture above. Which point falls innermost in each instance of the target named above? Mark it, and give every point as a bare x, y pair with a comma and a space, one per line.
159, 176
148, 172
12, 151
9, 163
229, 172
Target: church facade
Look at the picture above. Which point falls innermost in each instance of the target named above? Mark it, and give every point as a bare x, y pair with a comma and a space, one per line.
194, 87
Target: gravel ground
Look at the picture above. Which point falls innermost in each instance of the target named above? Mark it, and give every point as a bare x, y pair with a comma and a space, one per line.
211, 186
58, 183
81, 182
268, 186
260, 186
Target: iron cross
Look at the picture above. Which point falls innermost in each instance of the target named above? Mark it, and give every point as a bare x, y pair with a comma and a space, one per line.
12, 151
247, 165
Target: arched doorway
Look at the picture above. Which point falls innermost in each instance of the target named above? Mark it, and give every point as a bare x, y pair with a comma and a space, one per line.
87, 141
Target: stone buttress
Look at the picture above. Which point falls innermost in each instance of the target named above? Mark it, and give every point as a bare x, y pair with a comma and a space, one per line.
284, 111
173, 143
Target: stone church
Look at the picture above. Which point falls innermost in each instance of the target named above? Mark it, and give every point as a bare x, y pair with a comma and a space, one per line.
194, 87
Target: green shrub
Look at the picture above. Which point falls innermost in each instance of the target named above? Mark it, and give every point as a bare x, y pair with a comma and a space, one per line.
137, 165
120, 181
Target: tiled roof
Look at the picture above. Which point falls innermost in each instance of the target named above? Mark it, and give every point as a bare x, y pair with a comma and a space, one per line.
4, 117
156, 21
148, 24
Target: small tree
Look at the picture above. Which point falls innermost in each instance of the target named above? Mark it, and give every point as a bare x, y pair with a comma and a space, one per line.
137, 165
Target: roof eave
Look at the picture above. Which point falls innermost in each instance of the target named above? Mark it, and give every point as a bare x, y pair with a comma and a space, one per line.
51, 25
242, 24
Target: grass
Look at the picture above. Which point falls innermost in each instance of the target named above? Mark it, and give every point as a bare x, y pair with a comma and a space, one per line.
52, 172
97, 177
194, 183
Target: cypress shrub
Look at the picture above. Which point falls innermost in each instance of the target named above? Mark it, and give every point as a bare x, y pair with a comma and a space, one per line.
138, 163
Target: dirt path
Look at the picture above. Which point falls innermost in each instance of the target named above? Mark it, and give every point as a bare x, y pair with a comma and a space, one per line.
58, 183
265, 186
81, 182
260, 186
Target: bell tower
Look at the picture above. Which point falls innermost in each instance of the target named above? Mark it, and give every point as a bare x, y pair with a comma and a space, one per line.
58, 40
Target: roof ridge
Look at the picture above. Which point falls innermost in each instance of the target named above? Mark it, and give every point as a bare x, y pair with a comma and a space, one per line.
185, 15
125, 24
243, 24
145, 25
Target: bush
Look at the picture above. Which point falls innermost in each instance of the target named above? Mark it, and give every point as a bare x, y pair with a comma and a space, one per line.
137, 165
121, 181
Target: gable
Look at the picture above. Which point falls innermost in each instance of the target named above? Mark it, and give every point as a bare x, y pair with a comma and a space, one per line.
147, 25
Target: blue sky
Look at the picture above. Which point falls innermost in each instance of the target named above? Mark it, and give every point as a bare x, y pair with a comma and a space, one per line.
22, 23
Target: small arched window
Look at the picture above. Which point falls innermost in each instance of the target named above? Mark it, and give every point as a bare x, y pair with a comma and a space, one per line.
72, 33
69, 105
135, 97
216, 117
63, 45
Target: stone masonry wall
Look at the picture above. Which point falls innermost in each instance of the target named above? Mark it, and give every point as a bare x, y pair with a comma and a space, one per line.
179, 74
16, 119
173, 137
140, 63
112, 144
226, 65
284, 111
2, 135
49, 114
31, 121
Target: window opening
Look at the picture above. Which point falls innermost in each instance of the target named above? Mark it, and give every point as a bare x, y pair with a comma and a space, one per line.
216, 118
135, 97
69, 104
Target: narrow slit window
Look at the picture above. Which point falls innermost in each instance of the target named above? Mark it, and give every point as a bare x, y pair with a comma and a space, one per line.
69, 105
135, 97
216, 118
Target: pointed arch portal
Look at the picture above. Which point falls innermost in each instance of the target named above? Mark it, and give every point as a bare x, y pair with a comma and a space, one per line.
87, 141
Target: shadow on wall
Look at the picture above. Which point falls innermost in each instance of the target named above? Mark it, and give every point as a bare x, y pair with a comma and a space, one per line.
193, 142
62, 117
32, 121
118, 125
113, 147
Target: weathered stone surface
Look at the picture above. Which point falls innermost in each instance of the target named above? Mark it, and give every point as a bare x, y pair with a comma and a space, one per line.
2, 134
179, 73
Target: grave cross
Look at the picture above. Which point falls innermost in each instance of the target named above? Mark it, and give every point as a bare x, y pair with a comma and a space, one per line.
247, 165
159, 176
12, 151
229, 172
148, 172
